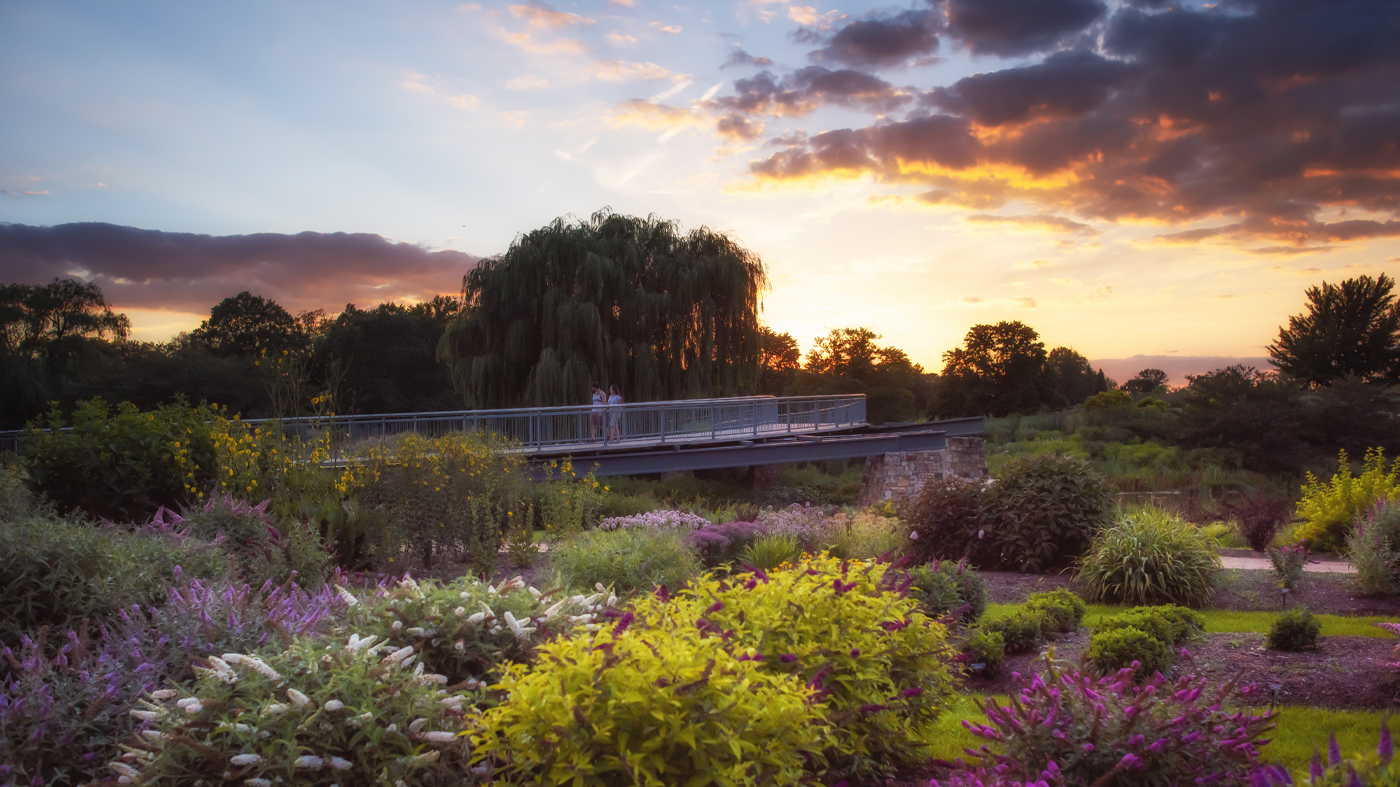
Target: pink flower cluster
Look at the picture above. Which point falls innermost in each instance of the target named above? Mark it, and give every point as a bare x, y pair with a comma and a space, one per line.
656, 519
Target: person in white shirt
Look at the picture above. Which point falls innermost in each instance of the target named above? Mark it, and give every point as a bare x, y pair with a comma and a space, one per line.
595, 416
614, 413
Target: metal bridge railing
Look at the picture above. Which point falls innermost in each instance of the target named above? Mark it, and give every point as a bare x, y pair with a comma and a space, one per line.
557, 429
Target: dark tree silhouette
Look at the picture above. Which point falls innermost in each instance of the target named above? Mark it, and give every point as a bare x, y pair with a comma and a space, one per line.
617, 299
384, 360
248, 324
51, 321
1071, 377
1147, 380
849, 360
1000, 370
1349, 330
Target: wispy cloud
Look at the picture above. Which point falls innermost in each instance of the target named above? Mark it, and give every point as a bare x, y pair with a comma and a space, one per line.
1036, 221
543, 17
626, 71
665, 28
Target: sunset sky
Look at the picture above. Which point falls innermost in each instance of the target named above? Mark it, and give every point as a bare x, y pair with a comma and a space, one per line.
1127, 177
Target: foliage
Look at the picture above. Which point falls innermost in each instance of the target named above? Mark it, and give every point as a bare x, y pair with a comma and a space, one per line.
447, 498
1370, 770
467, 629
1107, 400
1147, 381
843, 627
568, 504
1071, 377
65, 700
779, 360
984, 648
1328, 509
1047, 508
260, 550
1127, 647
1062, 609
660, 704
626, 560
1022, 631
1294, 630
1350, 329
1371, 547
949, 520
1000, 370
848, 360
56, 573
1114, 733
770, 550
866, 534
318, 714
814, 527
1258, 517
1149, 557
1288, 564
247, 324
384, 359
723, 544
949, 589
655, 519
616, 299
1226, 535
1169, 623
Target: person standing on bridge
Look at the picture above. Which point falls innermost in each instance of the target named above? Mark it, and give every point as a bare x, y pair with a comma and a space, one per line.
614, 413
595, 417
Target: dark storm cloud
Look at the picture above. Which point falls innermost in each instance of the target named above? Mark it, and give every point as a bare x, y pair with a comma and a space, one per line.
180, 271
879, 42
1019, 27
1282, 116
806, 89
741, 58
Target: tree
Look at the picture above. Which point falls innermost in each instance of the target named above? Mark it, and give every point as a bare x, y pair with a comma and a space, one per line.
52, 321
1071, 377
1350, 329
1147, 381
848, 360
384, 360
617, 299
779, 360
999, 371
248, 324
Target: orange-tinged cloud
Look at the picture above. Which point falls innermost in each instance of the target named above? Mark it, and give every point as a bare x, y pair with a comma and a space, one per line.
657, 117
626, 71
547, 18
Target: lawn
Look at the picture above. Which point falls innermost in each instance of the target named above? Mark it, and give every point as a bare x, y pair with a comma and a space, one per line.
1225, 621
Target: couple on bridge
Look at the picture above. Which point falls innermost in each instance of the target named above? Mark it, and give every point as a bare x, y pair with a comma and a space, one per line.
601, 408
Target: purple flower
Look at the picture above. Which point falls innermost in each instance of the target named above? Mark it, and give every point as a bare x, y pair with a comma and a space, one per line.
788, 658
1386, 747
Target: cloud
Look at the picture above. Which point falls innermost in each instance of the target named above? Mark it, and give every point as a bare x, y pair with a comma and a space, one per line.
560, 46
527, 82
626, 71
623, 3
1038, 221
970, 299
179, 271
880, 42
806, 89
1064, 84
741, 58
657, 117
1029, 264
807, 15
542, 17
1024, 303
665, 28
1018, 27
619, 38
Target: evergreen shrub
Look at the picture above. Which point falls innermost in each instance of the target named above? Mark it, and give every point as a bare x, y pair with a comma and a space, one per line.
987, 648
1061, 608
1023, 631
1150, 557
1120, 648
1294, 630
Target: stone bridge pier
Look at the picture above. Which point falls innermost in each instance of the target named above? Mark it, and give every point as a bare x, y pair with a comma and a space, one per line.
899, 476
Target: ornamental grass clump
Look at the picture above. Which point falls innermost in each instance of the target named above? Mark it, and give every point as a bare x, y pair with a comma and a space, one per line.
880, 666
659, 704
467, 629
1150, 557
723, 544
1113, 732
628, 560
771, 550
1372, 547
345, 713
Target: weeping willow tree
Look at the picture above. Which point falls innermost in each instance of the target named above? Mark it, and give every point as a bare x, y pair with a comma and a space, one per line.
618, 299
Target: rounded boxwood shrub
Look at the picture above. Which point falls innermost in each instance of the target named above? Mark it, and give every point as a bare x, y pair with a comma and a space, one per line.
1047, 509
1061, 608
949, 588
1022, 631
1151, 557
1171, 624
983, 653
1294, 630
1116, 649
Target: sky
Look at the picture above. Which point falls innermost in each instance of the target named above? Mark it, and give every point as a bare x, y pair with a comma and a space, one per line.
1129, 178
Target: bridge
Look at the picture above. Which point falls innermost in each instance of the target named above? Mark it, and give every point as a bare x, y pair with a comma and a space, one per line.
656, 437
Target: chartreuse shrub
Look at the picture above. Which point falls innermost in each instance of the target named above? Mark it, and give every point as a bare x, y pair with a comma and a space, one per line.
1061, 608
1047, 509
949, 588
659, 704
627, 559
880, 666
56, 573
1150, 557
1070, 728
322, 713
983, 652
1021, 631
1369, 770
1147, 635
1372, 546
467, 629
1294, 630
1328, 509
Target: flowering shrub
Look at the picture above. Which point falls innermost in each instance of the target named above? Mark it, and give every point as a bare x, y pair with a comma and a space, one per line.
720, 544
1393, 628
1111, 731
1288, 564
811, 525
1371, 770
661, 704
628, 559
64, 700
1328, 509
656, 519
1372, 547
949, 588
466, 629
879, 665
261, 550
357, 713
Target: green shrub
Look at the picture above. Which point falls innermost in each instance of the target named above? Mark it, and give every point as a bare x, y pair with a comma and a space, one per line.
1171, 624
1061, 608
448, 498
15, 498
881, 667
466, 629
122, 464
1288, 563
867, 535
949, 588
985, 648
1150, 557
319, 714
1372, 545
627, 560
1225, 535
949, 519
1328, 509
1022, 631
1117, 648
565, 503
261, 551
662, 704
1294, 630
1047, 509
769, 550
56, 573
1107, 400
